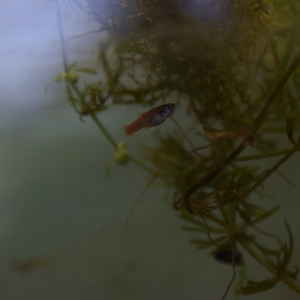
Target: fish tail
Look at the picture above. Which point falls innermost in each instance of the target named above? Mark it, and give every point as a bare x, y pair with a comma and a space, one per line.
130, 129
135, 126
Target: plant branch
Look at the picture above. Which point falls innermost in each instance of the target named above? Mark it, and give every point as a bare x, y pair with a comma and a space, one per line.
287, 280
271, 170
184, 199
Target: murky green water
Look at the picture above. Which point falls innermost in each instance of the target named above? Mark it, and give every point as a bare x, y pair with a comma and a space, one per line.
61, 217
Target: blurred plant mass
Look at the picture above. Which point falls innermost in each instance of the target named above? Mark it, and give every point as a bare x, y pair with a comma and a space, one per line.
232, 68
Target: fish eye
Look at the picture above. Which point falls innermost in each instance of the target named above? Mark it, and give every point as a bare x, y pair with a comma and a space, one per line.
165, 108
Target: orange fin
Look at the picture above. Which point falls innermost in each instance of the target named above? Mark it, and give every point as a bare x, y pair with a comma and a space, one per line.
130, 129
136, 126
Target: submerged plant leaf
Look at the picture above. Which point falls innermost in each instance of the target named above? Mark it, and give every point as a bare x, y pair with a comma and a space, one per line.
265, 215
293, 128
86, 70
253, 287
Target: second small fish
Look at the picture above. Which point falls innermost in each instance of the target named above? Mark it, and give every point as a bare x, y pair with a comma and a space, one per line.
152, 117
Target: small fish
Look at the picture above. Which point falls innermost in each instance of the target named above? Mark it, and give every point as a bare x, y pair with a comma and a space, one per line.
152, 117
29, 265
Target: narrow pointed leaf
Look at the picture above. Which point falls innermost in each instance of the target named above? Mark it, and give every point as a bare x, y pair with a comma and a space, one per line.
86, 70
253, 287
266, 215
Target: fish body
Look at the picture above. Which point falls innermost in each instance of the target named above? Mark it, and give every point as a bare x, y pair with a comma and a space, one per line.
152, 117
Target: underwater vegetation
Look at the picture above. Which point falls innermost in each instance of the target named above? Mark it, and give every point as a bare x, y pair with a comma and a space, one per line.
232, 67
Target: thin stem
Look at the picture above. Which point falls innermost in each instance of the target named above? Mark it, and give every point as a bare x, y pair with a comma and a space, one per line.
137, 201
214, 173
141, 164
103, 130
257, 124
274, 93
61, 37
287, 280
108, 136
270, 171
266, 154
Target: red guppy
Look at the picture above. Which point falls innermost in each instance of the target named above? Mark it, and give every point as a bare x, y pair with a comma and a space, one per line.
152, 117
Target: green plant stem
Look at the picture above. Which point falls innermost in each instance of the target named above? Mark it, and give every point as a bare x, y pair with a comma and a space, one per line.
274, 93
104, 131
271, 170
215, 172
108, 136
266, 154
79, 94
142, 165
96, 120
256, 126
61, 36
287, 280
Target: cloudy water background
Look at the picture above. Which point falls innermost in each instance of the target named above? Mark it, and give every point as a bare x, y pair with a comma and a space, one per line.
61, 217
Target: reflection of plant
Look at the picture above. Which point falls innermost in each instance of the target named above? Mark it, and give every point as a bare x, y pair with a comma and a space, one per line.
241, 75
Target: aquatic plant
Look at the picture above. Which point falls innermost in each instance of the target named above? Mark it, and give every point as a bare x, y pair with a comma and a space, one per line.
233, 68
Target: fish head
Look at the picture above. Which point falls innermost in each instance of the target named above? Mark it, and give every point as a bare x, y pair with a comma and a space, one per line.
153, 117
160, 114
166, 110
